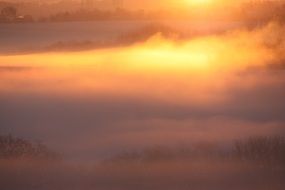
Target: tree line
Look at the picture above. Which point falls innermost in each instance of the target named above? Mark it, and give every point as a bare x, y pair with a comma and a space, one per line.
18, 148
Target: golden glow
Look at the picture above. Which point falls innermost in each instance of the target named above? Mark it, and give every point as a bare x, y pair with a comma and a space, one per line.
197, 70
199, 2
209, 5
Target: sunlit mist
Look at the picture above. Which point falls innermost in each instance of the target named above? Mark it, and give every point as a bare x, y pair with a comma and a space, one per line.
197, 69
142, 95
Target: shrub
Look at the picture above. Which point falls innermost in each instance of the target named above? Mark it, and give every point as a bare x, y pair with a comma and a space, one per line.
267, 151
15, 148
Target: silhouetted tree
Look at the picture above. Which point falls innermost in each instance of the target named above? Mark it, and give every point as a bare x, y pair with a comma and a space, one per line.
15, 148
267, 151
9, 13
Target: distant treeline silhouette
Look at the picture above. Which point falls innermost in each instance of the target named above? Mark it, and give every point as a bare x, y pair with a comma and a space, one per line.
139, 35
248, 164
247, 12
9, 14
263, 151
262, 12
97, 14
16, 148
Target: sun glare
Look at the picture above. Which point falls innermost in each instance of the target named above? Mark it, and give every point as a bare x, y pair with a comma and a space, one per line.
199, 2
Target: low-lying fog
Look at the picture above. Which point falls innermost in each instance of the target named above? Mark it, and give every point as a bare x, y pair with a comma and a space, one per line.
166, 91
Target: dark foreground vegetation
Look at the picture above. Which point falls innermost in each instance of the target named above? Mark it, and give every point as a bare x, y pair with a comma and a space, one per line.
254, 163
17, 148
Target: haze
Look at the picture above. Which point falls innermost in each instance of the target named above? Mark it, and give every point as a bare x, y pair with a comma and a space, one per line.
174, 98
